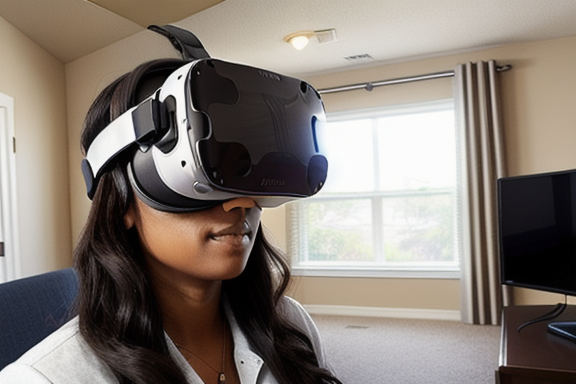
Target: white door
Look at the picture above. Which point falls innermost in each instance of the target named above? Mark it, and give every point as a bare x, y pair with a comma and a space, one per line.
9, 241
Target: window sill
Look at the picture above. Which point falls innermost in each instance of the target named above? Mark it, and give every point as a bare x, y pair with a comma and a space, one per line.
375, 272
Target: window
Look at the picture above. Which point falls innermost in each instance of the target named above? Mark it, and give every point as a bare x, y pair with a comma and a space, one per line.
390, 204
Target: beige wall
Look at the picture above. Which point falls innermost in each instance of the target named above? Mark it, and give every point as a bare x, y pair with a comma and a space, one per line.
35, 80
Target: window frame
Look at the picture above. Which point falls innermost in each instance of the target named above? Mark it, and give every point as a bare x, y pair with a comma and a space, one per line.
296, 228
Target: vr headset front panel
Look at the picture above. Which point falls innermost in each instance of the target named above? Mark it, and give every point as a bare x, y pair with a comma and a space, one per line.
233, 131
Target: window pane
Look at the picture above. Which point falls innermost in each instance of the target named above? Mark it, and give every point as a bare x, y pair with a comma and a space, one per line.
339, 230
417, 151
390, 199
347, 145
419, 228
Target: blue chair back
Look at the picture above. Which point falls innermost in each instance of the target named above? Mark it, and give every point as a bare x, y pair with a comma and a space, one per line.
32, 308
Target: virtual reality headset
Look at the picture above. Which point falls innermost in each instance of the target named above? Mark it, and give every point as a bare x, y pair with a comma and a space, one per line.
215, 131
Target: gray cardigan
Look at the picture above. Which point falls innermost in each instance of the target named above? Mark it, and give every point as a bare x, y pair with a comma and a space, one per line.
65, 358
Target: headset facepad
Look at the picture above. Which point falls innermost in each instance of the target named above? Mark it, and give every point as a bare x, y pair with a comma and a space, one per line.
214, 131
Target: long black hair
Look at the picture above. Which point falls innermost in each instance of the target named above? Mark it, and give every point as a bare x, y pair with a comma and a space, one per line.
119, 316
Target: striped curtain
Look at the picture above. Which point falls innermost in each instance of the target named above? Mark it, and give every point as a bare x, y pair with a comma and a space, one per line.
482, 162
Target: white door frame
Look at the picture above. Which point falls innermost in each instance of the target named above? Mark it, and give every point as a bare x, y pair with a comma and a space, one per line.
10, 265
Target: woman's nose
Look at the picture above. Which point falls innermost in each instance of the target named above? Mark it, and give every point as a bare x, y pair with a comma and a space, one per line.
240, 202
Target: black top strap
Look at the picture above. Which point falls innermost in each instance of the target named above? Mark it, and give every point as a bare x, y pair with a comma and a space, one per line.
184, 41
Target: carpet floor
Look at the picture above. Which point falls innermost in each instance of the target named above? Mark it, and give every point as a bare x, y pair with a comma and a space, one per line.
408, 351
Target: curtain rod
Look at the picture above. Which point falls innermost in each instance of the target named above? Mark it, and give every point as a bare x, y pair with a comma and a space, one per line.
401, 80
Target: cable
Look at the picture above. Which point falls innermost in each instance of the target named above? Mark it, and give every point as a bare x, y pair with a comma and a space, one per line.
557, 311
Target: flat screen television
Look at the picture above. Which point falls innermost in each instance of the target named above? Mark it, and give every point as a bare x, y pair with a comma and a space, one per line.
537, 231
537, 225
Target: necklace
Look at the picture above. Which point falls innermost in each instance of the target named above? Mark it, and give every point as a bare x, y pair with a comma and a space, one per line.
221, 374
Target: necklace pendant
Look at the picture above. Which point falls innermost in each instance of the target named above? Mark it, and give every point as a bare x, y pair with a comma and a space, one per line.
221, 378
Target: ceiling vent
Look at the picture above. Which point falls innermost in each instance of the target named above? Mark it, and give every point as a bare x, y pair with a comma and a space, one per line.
359, 58
326, 36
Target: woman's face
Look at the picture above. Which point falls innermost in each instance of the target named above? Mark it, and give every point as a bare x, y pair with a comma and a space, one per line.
207, 245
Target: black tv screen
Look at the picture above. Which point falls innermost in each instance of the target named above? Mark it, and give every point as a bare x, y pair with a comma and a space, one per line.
537, 230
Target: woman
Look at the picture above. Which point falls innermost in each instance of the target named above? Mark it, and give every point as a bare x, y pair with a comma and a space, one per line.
165, 297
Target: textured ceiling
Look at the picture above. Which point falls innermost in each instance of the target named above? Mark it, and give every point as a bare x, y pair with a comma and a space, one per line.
146, 12
252, 31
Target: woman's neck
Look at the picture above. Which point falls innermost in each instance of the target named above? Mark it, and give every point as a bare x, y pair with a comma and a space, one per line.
194, 319
191, 310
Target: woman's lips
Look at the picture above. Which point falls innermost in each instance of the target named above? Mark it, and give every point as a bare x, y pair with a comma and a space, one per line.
232, 239
236, 235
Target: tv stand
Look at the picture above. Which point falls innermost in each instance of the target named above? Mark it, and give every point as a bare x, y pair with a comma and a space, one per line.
534, 355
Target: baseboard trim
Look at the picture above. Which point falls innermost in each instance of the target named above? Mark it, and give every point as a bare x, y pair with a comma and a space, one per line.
402, 313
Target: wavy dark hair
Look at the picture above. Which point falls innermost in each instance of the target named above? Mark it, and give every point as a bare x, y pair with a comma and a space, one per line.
118, 312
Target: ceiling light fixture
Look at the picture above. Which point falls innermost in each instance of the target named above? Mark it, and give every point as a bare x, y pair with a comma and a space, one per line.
299, 40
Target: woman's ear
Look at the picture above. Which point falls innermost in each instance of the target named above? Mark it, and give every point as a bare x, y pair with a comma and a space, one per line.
130, 217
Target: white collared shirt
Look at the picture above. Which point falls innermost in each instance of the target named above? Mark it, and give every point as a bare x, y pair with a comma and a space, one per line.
65, 358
